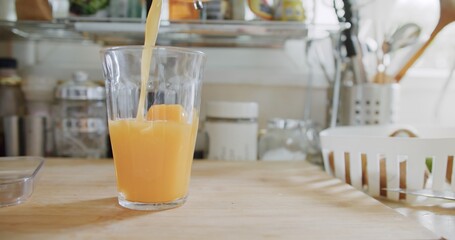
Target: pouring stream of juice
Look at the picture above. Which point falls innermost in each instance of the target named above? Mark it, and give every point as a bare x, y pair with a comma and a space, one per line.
152, 25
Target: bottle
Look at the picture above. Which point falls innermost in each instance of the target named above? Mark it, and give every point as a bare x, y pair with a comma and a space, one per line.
232, 130
10, 89
12, 101
38, 87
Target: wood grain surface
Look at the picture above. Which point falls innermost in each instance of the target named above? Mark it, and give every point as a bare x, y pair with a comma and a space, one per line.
76, 199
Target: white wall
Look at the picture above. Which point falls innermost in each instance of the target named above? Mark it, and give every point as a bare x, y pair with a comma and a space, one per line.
274, 78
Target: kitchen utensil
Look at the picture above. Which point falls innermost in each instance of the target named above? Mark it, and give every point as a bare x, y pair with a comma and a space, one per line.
349, 14
447, 16
447, 195
369, 159
17, 178
402, 37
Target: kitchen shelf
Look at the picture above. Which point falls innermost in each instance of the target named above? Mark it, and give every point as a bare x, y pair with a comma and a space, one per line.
224, 33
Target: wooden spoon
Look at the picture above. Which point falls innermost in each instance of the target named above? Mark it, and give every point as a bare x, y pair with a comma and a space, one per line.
447, 16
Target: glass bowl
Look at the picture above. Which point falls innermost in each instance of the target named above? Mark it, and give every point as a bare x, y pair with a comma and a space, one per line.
17, 178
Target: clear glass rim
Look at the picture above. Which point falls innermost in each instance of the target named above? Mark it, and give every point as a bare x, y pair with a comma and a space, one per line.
140, 47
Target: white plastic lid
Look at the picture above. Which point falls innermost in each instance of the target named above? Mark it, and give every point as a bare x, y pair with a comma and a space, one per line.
232, 110
80, 88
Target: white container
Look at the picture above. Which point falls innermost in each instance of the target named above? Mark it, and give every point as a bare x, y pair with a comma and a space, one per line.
369, 159
232, 130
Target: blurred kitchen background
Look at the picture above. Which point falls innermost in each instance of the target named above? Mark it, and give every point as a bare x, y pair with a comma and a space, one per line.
283, 62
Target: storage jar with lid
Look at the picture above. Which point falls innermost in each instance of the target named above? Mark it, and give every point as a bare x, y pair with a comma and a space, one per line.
80, 118
232, 130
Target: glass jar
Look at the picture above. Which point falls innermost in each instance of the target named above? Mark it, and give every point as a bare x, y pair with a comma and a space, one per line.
311, 132
80, 122
284, 140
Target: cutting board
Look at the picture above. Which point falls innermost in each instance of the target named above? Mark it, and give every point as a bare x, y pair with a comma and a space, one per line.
76, 199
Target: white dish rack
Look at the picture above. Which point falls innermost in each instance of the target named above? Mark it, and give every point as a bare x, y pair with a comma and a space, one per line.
370, 160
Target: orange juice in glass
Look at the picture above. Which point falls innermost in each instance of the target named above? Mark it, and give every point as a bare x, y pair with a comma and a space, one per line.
153, 141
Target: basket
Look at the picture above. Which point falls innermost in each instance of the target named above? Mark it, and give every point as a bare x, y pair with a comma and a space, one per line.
370, 160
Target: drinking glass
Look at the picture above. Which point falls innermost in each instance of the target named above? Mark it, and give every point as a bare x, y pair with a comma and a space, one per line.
153, 141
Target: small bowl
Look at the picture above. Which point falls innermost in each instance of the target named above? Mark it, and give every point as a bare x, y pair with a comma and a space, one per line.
17, 178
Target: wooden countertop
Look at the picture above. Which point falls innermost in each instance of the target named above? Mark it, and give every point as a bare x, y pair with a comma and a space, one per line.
76, 199
436, 215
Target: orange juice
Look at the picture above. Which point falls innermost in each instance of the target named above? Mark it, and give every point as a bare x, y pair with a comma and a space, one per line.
153, 157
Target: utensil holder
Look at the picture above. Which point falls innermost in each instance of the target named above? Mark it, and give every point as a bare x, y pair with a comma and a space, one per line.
369, 104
